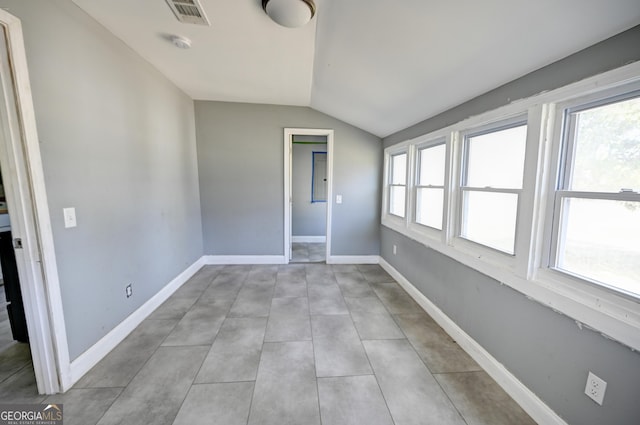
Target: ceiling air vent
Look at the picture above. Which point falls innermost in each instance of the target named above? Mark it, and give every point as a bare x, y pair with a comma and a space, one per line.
188, 11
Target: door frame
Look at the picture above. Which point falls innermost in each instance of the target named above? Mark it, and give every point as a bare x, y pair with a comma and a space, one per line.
30, 220
288, 165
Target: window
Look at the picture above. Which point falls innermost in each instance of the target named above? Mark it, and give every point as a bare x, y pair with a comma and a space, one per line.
492, 176
596, 224
319, 177
398, 184
430, 177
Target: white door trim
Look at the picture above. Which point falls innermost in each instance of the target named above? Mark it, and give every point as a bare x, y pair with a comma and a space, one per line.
288, 152
29, 211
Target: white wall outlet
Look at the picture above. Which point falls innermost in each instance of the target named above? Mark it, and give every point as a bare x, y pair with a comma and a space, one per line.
338, 199
595, 388
395, 249
69, 217
129, 290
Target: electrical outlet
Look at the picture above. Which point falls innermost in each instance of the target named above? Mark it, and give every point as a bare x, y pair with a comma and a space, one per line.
395, 250
129, 290
595, 388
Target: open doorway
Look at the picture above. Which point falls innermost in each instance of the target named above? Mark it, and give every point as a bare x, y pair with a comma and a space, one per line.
308, 194
309, 199
30, 239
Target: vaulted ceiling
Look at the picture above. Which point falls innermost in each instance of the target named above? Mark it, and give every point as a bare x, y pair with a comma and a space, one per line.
381, 65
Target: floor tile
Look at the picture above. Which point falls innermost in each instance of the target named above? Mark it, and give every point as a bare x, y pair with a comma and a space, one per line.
21, 387
366, 305
481, 401
225, 404
235, 353
290, 306
344, 268
326, 298
155, 395
119, 367
395, 299
376, 326
253, 301
288, 320
223, 287
337, 347
288, 328
412, 393
174, 308
290, 286
13, 359
353, 284
353, 400
374, 273
200, 325
84, 406
198, 283
436, 348
286, 389
262, 274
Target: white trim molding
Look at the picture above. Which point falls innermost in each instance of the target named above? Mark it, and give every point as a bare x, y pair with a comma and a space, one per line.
288, 158
353, 259
531, 403
84, 362
308, 239
244, 259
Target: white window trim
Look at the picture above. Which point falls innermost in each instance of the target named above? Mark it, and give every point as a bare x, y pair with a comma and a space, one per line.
459, 240
611, 313
412, 225
393, 220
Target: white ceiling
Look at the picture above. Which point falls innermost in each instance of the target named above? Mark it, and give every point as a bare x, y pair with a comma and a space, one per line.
381, 65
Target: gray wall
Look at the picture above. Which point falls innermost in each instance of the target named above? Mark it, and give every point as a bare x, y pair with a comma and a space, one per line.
546, 351
241, 165
118, 144
307, 218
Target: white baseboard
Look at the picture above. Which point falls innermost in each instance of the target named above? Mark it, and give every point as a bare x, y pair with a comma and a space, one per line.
243, 259
531, 403
353, 259
84, 362
309, 239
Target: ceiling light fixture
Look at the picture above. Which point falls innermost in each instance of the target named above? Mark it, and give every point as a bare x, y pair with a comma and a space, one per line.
290, 13
181, 42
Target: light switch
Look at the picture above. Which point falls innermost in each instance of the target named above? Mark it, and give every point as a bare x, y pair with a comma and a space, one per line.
338, 199
69, 217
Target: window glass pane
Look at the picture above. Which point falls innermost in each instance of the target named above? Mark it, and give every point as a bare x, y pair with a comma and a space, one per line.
490, 219
397, 200
497, 159
399, 169
599, 240
607, 148
429, 207
432, 161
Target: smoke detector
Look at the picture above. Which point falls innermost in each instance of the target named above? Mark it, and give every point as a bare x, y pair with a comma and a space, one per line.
180, 41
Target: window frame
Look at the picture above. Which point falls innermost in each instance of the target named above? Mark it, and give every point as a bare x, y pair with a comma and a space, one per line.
463, 187
610, 312
563, 152
386, 206
414, 225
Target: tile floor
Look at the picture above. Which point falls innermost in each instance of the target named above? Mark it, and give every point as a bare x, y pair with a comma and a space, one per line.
276, 345
308, 252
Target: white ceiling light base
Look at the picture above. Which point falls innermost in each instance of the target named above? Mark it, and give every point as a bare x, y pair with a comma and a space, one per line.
290, 13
